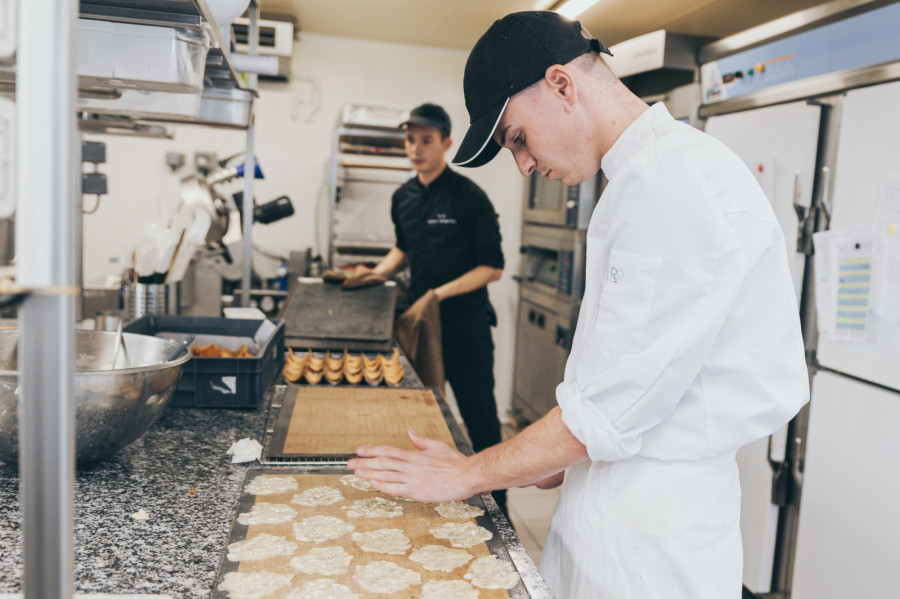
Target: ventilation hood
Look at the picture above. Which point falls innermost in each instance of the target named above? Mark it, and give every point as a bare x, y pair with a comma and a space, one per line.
658, 61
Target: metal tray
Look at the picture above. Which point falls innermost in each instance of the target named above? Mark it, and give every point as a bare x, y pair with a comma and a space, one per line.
320, 315
503, 544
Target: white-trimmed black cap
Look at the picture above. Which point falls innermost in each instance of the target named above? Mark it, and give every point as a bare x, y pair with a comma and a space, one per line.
513, 54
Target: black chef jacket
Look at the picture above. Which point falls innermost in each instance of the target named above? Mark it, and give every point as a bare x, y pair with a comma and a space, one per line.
446, 230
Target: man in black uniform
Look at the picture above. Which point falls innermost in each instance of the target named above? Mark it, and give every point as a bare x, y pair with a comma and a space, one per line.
448, 234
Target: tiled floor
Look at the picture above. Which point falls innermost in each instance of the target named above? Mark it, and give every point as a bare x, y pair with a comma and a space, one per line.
530, 510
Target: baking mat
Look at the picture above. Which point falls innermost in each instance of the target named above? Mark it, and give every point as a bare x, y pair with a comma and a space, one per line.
415, 521
316, 421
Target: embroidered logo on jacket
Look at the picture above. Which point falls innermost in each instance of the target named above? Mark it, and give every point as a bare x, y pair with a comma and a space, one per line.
614, 274
441, 219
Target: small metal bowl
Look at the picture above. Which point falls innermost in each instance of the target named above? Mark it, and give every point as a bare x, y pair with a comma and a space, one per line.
113, 406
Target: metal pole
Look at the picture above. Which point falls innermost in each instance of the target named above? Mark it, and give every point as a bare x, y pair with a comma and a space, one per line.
250, 164
47, 155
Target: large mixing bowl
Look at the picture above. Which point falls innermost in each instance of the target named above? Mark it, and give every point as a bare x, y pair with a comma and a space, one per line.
113, 406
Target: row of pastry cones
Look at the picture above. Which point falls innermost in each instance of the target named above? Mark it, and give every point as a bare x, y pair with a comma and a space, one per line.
352, 368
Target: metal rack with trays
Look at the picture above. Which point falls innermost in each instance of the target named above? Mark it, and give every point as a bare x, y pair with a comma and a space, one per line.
368, 163
40, 65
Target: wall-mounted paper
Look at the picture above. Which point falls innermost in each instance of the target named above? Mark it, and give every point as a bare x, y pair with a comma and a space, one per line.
887, 215
844, 272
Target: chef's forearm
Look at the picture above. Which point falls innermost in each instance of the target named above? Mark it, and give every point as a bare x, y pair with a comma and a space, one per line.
543, 449
391, 264
476, 278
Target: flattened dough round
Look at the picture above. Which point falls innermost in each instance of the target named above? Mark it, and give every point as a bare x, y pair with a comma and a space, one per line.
462, 534
374, 507
360, 484
323, 588
448, 589
267, 513
458, 509
383, 540
321, 528
324, 495
270, 485
262, 546
385, 577
437, 558
327, 561
491, 573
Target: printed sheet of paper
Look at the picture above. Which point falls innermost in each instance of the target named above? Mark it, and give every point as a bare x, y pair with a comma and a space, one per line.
886, 297
843, 263
887, 215
854, 290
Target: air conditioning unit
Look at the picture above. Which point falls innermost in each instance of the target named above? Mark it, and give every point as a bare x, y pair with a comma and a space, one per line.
276, 38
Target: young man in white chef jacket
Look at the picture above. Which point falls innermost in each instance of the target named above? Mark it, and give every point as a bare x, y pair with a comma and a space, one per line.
688, 342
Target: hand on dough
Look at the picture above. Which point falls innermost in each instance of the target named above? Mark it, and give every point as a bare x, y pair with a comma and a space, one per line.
433, 472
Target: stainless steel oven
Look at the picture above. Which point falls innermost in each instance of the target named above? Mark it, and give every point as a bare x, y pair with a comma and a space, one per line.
551, 285
552, 203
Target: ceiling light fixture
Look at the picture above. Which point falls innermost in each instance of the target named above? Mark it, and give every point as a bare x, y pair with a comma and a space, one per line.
573, 8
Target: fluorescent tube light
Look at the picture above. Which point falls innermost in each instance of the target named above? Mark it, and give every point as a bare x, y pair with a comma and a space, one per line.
573, 8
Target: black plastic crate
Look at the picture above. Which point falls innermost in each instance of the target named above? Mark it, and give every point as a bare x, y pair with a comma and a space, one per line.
219, 382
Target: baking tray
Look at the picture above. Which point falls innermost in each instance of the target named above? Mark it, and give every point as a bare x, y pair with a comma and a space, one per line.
415, 522
321, 315
325, 424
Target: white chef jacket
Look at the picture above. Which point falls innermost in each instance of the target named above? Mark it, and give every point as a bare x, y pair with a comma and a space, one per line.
687, 347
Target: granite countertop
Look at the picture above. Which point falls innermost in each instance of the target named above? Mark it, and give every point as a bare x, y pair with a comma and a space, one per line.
178, 549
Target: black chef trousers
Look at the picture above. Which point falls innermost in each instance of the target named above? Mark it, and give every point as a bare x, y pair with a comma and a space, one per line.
469, 367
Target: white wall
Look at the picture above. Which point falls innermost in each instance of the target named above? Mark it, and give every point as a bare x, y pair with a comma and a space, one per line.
294, 152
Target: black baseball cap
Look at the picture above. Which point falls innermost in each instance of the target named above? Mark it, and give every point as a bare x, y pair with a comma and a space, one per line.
512, 55
429, 115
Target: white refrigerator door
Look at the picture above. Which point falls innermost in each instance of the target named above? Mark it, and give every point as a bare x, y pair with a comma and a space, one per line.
779, 145
869, 150
849, 533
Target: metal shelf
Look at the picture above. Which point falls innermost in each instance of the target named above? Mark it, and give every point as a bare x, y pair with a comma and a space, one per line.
224, 102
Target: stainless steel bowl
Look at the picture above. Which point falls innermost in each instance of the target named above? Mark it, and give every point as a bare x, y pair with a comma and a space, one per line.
113, 406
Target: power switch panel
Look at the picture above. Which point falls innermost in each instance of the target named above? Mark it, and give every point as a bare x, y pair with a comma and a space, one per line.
7, 157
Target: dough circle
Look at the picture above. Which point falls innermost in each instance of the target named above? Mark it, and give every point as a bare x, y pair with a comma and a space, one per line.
385, 577
270, 485
327, 561
437, 558
262, 546
321, 528
383, 540
462, 534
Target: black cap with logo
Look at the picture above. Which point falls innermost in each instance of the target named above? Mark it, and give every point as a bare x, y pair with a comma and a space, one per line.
429, 115
512, 55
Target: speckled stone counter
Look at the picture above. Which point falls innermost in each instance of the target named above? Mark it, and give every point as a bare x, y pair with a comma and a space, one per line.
177, 551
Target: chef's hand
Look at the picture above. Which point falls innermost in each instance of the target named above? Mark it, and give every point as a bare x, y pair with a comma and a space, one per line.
551, 482
362, 277
434, 472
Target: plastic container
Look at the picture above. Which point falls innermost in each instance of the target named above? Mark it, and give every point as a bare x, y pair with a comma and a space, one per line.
145, 57
222, 382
